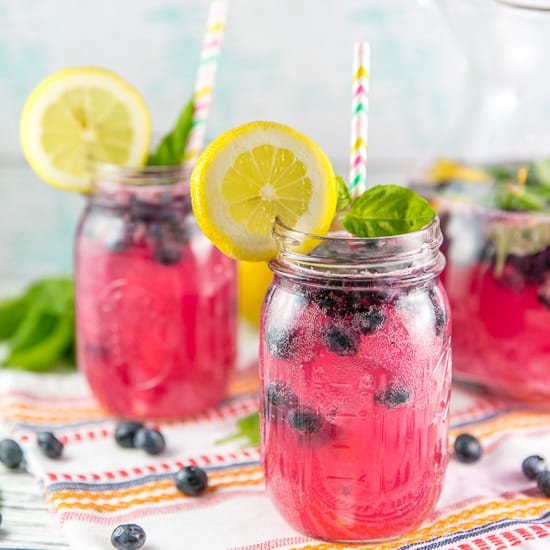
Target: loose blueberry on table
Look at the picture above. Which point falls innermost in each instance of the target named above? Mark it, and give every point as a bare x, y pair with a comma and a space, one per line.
533, 465
49, 444
125, 433
467, 448
128, 537
150, 440
191, 480
543, 483
11, 454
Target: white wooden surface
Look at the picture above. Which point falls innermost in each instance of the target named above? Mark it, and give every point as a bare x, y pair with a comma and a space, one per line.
27, 524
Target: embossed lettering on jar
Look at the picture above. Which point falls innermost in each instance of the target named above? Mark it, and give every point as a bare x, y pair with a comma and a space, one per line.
355, 381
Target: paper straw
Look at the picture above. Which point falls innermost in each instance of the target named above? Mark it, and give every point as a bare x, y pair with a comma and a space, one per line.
204, 85
359, 118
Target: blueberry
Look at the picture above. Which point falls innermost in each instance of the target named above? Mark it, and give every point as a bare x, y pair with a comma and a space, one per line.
342, 341
543, 483
363, 301
191, 480
369, 321
175, 227
125, 433
440, 314
10, 453
467, 448
305, 420
141, 211
167, 254
128, 537
531, 267
393, 396
280, 342
278, 394
150, 440
533, 465
167, 248
49, 444
440, 318
332, 302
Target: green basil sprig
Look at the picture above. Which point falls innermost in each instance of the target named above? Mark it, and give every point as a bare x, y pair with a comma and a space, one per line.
248, 429
383, 211
171, 148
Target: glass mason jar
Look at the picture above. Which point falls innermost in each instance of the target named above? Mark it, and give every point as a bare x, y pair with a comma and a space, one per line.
155, 301
498, 261
355, 381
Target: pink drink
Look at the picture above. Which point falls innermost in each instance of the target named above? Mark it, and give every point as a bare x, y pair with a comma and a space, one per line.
156, 321
355, 381
498, 282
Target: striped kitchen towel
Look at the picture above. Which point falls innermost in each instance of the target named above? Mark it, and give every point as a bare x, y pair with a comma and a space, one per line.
98, 485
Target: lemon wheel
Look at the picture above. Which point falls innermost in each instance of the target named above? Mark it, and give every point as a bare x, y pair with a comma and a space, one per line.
82, 115
253, 174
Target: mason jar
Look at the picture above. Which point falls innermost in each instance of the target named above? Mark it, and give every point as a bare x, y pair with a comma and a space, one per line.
155, 300
355, 382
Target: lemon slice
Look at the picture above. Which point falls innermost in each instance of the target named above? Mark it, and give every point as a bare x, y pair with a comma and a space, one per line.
253, 174
80, 115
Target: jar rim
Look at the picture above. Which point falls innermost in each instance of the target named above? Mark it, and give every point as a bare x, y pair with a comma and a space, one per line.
148, 182
398, 259
137, 176
283, 231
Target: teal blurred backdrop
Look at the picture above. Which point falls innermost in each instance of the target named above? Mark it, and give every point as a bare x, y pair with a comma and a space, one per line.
284, 60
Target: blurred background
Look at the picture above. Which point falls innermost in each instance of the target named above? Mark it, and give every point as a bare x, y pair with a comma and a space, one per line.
283, 60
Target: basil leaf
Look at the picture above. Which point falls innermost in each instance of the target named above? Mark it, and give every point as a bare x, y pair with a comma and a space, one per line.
171, 148
344, 196
248, 427
387, 210
12, 312
42, 331
501, 173
516, 198
46, 353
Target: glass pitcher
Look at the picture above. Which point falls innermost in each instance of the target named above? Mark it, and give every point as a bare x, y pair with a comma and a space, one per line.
493, 197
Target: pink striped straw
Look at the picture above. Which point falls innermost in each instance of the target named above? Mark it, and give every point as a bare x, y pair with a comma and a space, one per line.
359, 118
204, 85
